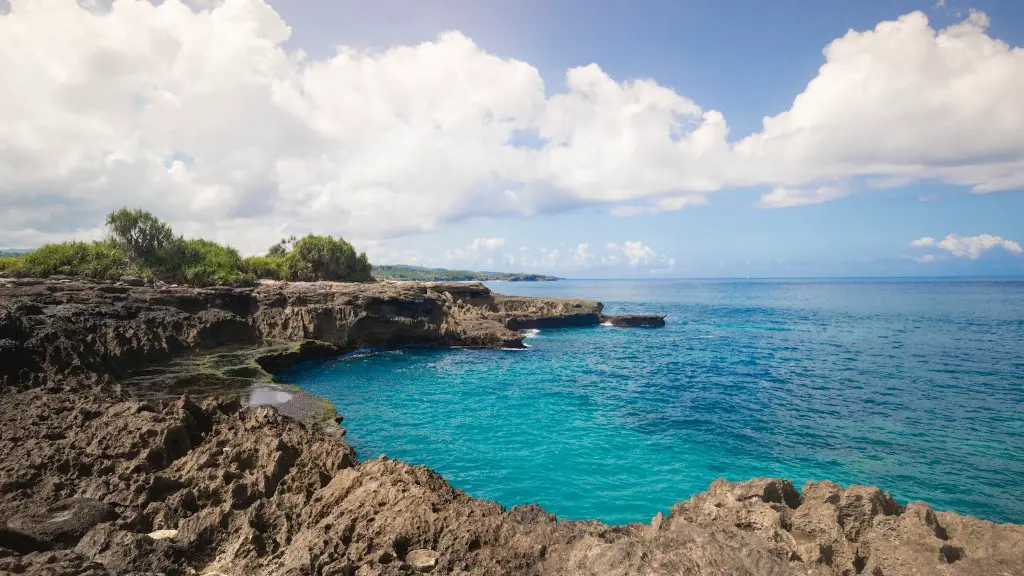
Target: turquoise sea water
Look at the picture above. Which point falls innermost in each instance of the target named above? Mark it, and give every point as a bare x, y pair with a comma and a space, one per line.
915, 386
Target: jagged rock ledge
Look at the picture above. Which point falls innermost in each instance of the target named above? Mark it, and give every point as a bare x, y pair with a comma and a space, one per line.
96, 481
80, 331
635, 320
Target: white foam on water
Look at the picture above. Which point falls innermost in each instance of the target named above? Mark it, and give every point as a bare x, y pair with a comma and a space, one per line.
607, 324
531, 332
363, 353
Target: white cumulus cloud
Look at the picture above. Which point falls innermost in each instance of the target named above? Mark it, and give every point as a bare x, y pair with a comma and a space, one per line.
476, 251
198, 112
582, 257
655, 205
635, 252
782, 197
967, 246
632, 256
903, 100
486, 244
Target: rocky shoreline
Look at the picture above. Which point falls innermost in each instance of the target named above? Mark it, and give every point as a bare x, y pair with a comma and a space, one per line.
130, 443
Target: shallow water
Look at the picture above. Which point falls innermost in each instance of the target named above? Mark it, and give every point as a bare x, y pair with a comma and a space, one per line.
915, 386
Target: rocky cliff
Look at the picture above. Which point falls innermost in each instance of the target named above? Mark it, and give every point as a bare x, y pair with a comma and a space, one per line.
97, 477
76, 333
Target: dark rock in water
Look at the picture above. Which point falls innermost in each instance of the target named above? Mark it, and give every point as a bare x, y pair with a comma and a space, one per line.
635, 320
60, 525
246, 490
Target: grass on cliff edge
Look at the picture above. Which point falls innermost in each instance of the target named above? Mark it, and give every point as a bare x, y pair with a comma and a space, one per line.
141, 245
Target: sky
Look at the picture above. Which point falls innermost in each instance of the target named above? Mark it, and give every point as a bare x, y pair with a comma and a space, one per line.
686, 138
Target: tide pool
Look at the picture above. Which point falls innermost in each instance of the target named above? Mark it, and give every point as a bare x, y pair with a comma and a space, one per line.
914, 386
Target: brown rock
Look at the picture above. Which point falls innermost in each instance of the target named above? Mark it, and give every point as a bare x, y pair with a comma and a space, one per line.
77, 332
122, 552
60, 525
422, 559
252, 492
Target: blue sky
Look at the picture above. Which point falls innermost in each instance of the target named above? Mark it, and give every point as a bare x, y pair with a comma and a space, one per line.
745, 58
836, 204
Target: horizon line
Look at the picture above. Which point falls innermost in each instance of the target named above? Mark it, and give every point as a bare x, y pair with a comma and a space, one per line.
940, 277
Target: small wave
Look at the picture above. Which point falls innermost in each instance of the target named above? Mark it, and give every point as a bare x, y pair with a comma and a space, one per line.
607, 324
531, 332
364, 352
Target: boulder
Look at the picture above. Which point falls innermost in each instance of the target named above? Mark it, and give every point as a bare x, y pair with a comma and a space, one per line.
125, 552
422, 559
58, 526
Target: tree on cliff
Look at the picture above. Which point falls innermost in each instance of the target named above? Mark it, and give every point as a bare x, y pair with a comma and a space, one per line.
139, 234
282, 248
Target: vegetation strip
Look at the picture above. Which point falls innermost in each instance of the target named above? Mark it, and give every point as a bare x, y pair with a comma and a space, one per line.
142, 246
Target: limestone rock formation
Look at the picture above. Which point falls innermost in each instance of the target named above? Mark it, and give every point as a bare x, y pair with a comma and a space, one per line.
76, 332
94, 480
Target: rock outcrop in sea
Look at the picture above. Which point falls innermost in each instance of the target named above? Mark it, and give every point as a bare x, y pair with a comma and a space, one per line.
106, 468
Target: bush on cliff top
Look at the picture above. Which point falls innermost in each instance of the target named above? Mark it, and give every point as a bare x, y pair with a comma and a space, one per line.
103, 260
312, 258
142, 245
201, 262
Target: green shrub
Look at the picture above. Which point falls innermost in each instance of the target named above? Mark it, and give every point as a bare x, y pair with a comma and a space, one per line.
199, 251
311, 258
201, 262
142, 245
267, 267
9, 261
315, 257
103, 260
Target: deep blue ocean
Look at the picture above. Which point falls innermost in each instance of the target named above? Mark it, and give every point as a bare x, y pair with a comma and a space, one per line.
913, 385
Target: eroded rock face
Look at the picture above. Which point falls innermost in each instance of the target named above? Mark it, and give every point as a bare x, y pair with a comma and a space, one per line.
256, 493
522, 312
55, 526
77, 332
94, 482
856, 530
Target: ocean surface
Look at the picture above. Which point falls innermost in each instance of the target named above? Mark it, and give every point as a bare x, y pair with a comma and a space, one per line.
913, 385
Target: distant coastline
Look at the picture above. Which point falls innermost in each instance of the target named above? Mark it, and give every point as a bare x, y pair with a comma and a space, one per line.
419, 273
